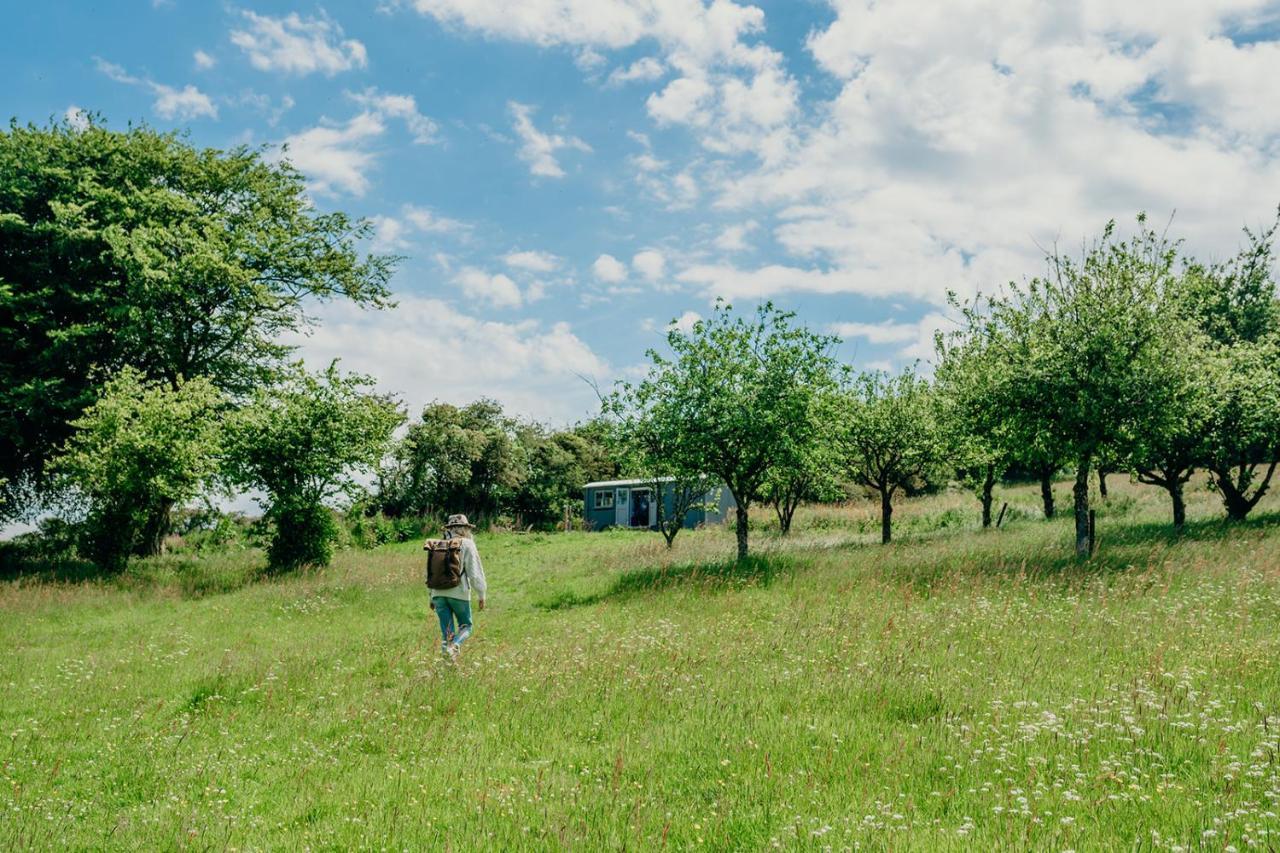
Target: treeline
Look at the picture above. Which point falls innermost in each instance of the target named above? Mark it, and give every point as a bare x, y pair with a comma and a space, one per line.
478, 460
1133, 358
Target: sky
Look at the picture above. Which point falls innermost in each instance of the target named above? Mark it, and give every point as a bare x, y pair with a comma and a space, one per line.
568, 178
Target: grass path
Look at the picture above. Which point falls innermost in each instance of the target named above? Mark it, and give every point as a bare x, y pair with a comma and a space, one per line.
957, 690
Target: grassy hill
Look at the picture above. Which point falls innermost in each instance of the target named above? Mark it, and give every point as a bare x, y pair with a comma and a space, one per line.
956, 690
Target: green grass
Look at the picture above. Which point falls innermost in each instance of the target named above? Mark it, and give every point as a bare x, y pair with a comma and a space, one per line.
955, 690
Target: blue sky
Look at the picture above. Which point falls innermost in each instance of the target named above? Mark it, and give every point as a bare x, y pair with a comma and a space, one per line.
567, 177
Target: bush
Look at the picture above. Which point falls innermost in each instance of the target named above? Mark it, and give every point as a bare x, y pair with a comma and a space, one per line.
304, 536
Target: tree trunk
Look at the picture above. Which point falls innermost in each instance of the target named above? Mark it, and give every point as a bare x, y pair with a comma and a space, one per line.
1237, 500
886, 515
988, 484
1179, 504
743, 521
1081, 495
1046, 492
158, 524
1102, 483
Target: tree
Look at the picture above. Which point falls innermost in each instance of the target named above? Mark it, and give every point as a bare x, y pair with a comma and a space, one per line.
1243, 434
137, 249
455, 459
301, 441
809, 471
647, 435
891, 436
740, 390
971, 414
141, 449
1167, 449
1081, 343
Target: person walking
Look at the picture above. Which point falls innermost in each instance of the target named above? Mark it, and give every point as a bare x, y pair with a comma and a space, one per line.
453, 571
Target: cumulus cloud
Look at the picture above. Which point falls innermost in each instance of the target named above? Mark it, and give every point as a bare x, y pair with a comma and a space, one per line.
529, 367
734, 237
76, 117
609, 269
533, 261
650, 263
296, 45
395, 233
956, 145
185, 103
403, 107
686, 321
203, 61
730, 86
336, 158
497, 290
645, 69
538, 149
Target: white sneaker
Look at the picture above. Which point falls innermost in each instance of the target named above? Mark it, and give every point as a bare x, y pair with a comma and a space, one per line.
453, 652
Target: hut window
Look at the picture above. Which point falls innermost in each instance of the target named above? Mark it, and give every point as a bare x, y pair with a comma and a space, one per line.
604, 499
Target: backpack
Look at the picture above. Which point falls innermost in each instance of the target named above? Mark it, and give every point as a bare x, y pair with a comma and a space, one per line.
444, 563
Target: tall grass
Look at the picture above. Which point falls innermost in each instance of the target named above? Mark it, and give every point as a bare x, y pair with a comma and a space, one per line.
955, 690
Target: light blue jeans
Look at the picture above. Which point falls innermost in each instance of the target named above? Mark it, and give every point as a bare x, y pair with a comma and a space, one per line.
451, 611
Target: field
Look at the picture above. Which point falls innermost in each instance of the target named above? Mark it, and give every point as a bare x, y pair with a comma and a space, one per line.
956, 690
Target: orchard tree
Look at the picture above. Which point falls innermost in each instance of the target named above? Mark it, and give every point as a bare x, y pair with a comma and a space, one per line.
1243, 435
1167, 448
138, 249
971, 412
301, 441
1081, 344
141, 449
647, 436
809, 471
891, 436
740, 391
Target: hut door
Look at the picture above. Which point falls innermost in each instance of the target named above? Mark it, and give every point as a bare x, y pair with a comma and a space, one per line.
622, 508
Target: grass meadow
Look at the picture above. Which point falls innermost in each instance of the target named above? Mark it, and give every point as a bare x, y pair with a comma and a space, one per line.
955, 690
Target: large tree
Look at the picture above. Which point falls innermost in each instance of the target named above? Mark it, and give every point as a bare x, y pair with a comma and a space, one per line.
891, 436
1081, 343
1243, 435
740, 389
301, 441
142, 448
136, 248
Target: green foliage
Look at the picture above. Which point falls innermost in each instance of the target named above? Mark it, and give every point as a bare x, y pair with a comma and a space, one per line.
1242, 440
891, 435
138, 249
142, 448
301, 441
740, 392
477, 460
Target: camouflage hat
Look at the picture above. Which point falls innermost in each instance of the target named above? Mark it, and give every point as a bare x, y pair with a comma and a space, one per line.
458, 520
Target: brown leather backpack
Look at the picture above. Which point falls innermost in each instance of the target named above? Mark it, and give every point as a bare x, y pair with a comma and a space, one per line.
444, 563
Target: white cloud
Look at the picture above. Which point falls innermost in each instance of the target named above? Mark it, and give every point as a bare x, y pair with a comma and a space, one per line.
538, 149
734, 237
731, 87
683, 101
76, 117
532, 261
403, 107
956, 144
531, 368
609, 269
185, 103
335, 158
203, 61
497, 290
887, 332
686, 321
396, 233
296, 45
645, 69
426, 221
650, 263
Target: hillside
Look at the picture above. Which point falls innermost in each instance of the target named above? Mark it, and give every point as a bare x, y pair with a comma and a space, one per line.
957, 689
